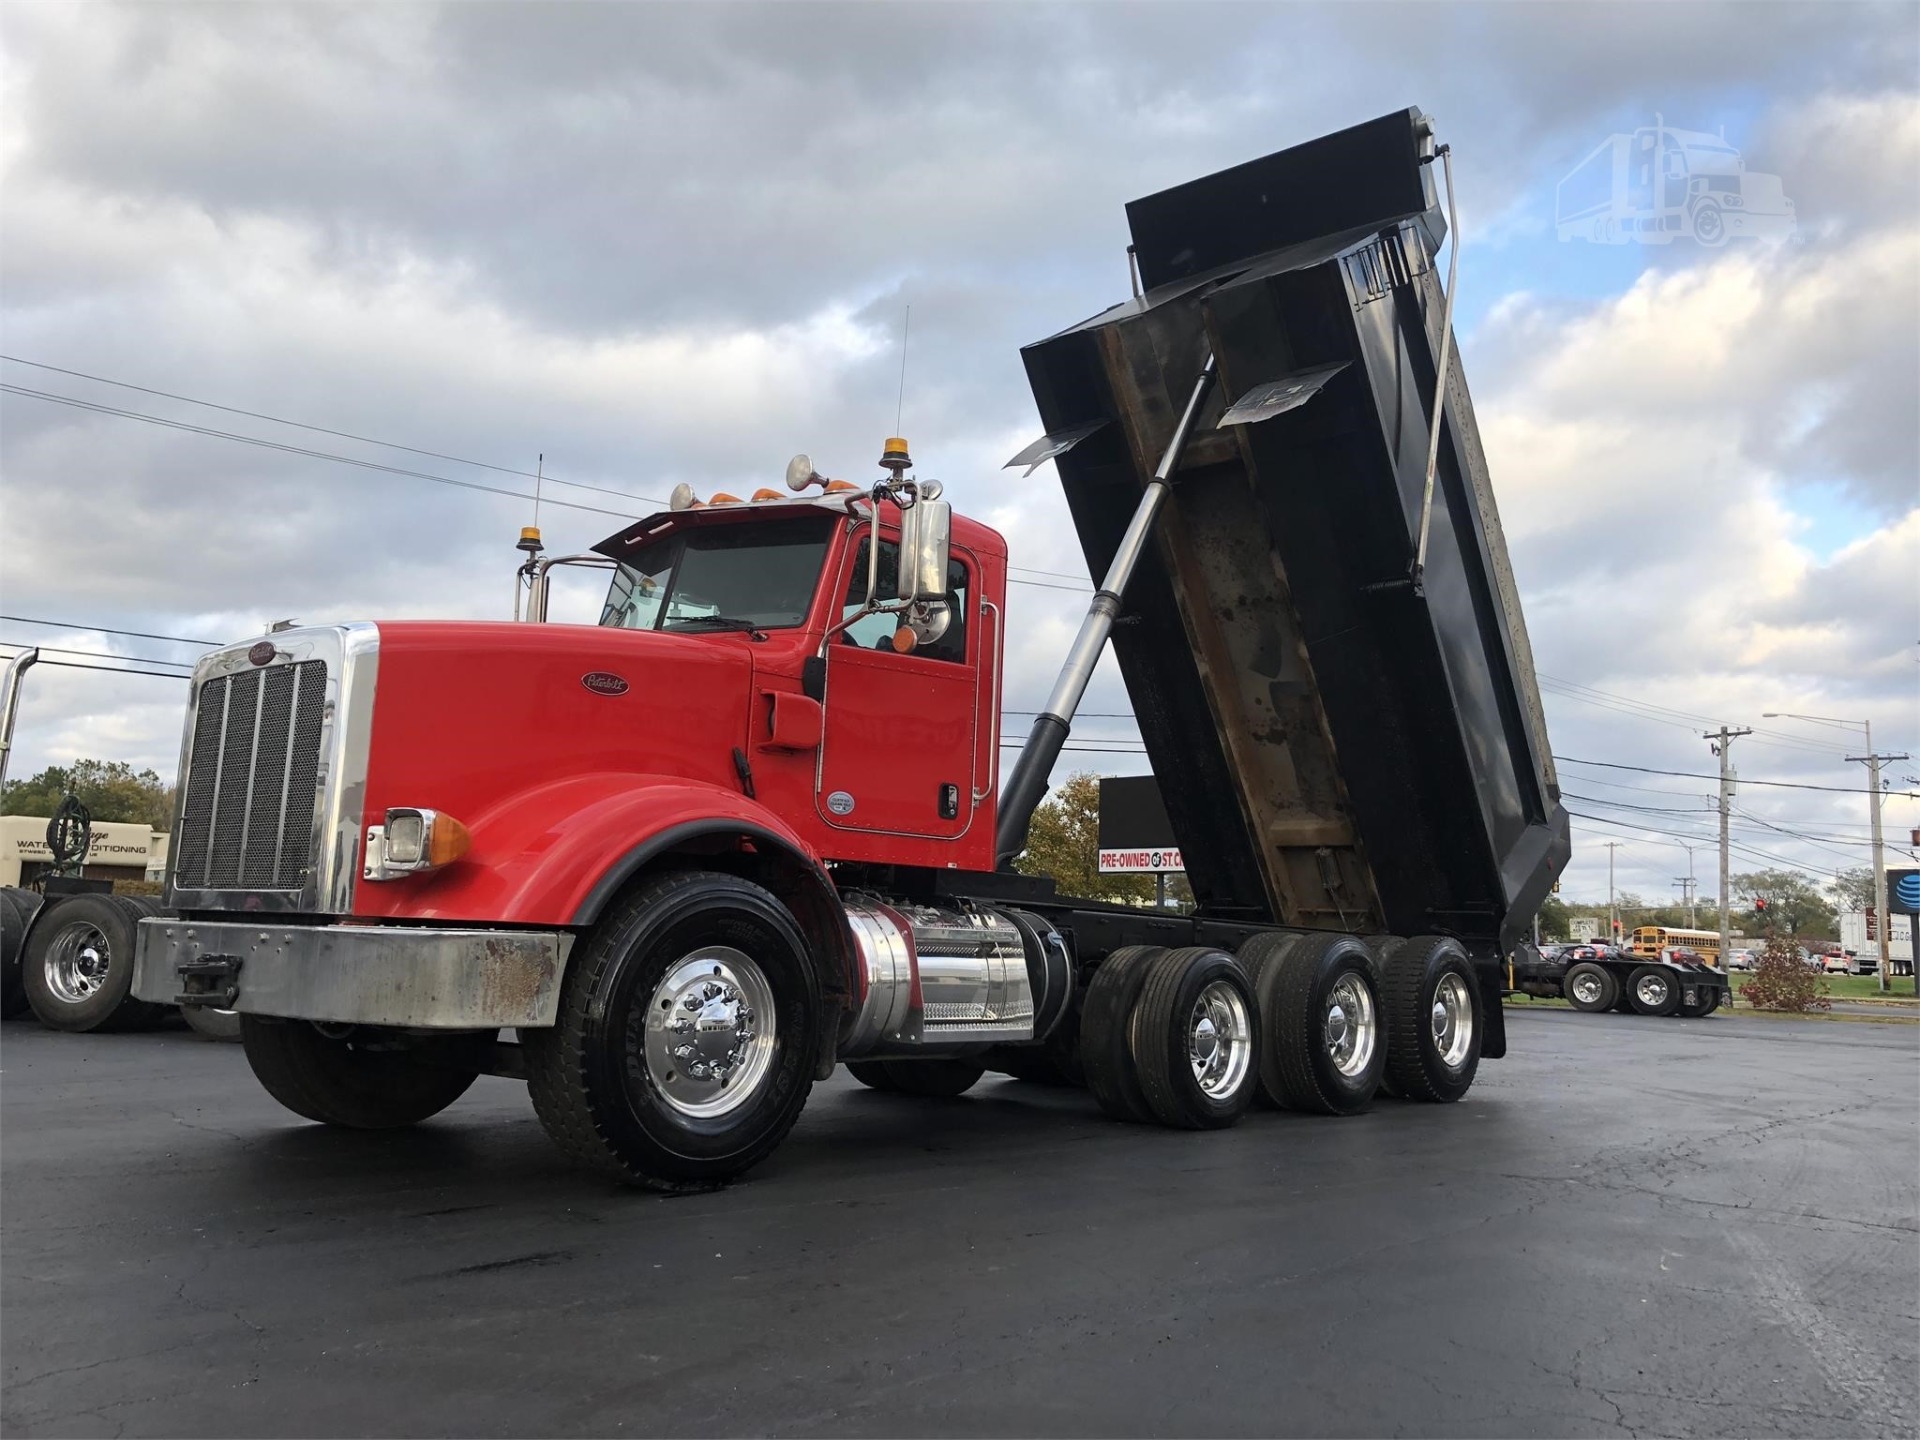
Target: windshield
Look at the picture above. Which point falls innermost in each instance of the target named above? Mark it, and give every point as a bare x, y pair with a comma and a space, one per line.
711, 577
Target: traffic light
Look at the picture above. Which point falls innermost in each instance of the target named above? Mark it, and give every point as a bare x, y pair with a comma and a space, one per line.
1760, 904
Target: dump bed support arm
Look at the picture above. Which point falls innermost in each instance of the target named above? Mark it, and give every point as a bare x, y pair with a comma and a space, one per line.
1028, 784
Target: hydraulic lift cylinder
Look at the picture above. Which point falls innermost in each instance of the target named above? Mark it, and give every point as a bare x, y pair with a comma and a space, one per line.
1028, 784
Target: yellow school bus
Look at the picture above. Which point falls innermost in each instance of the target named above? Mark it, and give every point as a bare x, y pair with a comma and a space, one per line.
1652, 940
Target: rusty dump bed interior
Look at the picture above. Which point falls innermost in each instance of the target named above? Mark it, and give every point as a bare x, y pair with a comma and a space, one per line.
1337, 748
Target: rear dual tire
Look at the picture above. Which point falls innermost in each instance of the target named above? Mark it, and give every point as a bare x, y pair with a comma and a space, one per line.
1432, 1001
16, 909
76, 969
1591, 987
1652, 991
1171, 1037
930, 1079
1324, 1051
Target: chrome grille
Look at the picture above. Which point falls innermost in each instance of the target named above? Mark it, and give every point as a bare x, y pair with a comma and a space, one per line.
247, 811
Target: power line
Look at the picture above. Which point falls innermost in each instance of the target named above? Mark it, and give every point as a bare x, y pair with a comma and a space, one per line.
1077, 584
1744, 780
112, 670
1684, 719
94, 654
109, 630
324, 430
302, 450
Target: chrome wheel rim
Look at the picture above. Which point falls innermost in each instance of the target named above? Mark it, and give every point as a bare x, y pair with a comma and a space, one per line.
1220, 1041
1349, 1026
1651, 989
77, 963
1452, 1020
1586, 989
710, 1032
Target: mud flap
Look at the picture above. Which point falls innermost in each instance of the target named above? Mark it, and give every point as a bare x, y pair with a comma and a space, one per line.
1493, 1035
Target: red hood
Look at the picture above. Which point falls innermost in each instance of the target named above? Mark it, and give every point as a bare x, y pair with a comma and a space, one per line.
470, 718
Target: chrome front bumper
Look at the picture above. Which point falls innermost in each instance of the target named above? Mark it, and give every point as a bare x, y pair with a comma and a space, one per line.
356, 974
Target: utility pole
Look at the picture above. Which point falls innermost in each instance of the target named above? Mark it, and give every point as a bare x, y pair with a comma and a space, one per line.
1883, 922
1722, 741
1613, 915
1693, 890
1684, 884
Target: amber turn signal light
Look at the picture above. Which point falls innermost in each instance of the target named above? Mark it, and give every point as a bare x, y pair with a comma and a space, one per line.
415, 840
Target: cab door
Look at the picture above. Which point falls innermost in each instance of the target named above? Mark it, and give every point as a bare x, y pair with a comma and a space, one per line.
898, 754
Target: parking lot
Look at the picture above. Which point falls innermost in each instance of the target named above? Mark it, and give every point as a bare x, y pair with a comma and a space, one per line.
1631, 1225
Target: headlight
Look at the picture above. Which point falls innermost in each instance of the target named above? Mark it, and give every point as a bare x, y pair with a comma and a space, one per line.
412, 841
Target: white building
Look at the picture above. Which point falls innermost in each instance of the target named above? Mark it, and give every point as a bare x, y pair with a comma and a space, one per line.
118, 852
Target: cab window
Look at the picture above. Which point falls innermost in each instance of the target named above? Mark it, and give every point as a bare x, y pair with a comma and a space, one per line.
875, 632
747, 575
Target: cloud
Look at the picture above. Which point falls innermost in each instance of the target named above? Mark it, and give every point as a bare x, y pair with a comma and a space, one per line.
660, 243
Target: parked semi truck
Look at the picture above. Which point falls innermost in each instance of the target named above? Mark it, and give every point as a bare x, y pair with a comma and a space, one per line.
66, 939
1860, 938
750, 826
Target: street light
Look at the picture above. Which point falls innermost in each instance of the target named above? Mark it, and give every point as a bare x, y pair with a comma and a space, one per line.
1872, 760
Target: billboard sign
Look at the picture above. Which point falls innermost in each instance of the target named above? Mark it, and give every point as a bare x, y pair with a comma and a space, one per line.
1136, 838
1903, 892
1141, 862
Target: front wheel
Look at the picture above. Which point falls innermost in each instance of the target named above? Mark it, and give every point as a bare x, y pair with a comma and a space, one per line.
684, 1049
358, 1077
211, 1024
1710, 225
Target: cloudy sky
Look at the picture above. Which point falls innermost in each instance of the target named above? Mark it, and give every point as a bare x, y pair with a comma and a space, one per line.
659, 243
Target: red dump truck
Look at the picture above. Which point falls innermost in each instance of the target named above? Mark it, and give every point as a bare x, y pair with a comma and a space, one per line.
750, 826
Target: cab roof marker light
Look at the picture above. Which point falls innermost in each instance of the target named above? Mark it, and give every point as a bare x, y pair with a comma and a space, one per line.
763, 493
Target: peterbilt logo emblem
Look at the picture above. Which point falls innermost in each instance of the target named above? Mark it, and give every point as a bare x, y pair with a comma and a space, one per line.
600, 682
261, 653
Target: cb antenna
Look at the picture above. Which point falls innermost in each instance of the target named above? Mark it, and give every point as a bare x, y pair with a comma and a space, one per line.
900, 405
539, 478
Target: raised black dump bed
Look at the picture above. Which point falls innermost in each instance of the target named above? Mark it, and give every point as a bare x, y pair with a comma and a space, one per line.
1341, 744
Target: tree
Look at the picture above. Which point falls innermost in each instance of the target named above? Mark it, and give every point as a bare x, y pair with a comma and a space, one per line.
1553, 919
1853, 889
112, 789
1064, 842
1783, 981
1793, 904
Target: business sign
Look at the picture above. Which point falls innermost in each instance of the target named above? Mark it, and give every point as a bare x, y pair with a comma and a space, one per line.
1903, 892
1141, 862
1136, 838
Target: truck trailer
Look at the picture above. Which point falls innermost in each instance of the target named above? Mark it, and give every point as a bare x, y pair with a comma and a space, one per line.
750, 826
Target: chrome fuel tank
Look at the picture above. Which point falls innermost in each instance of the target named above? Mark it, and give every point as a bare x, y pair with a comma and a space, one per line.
933, 977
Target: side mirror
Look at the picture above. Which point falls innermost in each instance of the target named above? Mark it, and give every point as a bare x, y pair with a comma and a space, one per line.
925, 534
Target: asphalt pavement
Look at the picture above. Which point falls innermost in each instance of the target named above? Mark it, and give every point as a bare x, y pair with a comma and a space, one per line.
1638, 1226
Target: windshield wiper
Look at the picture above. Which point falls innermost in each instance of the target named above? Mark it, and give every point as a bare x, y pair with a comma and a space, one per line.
714, 622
